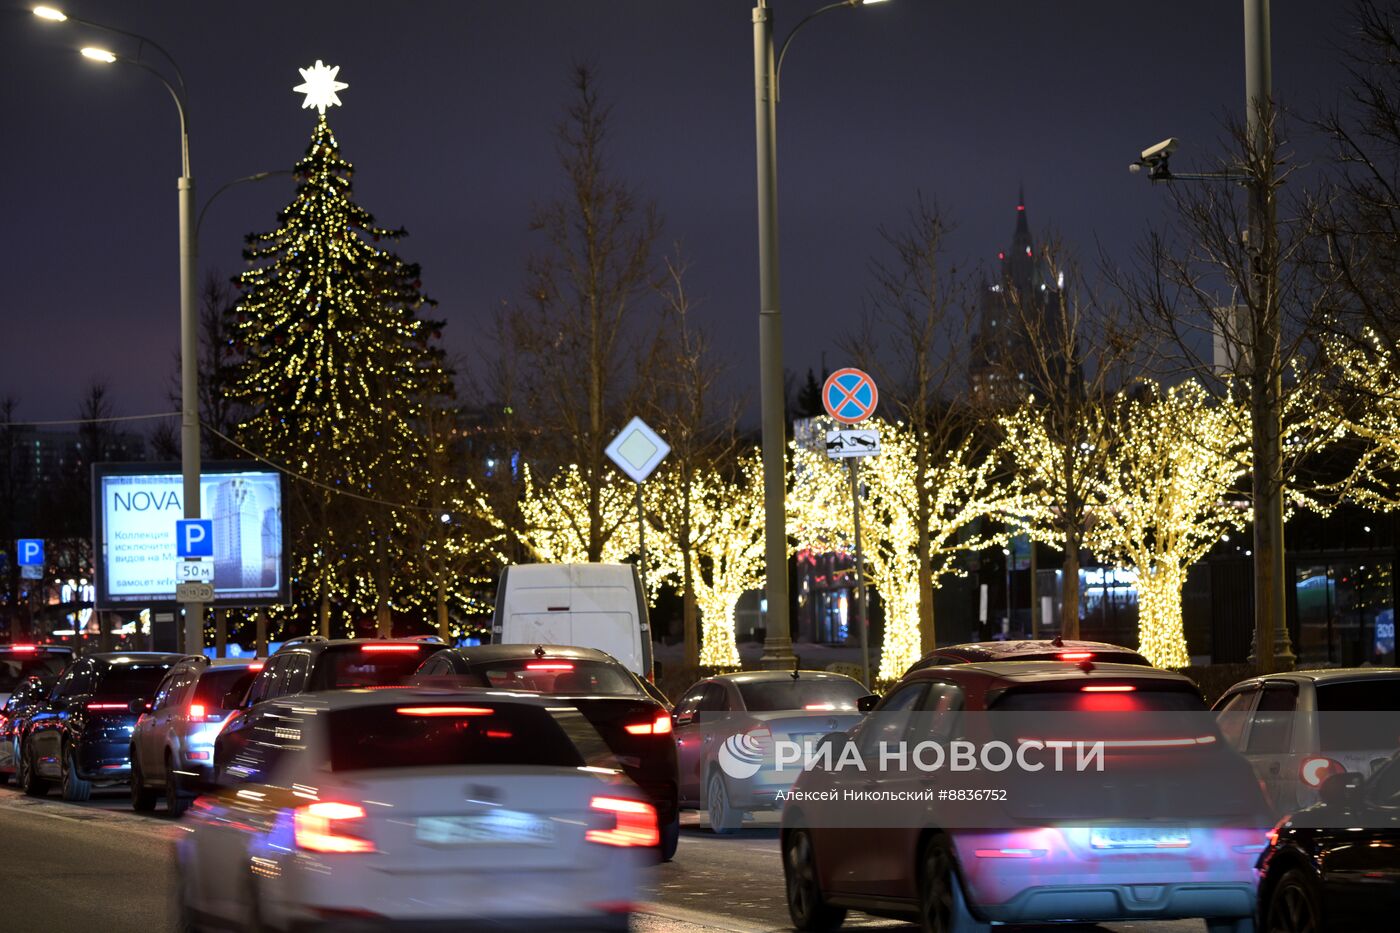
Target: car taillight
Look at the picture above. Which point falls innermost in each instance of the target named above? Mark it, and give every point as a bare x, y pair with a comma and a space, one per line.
549, 666
107, 707
256, 666
820, 706
1108, 688
444, 711
1011, 853
200, 713
1076, 655
24, 649
1316, 770
635, 823
389, 648
325, 827
659, 726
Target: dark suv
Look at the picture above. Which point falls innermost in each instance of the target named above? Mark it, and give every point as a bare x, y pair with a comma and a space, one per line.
305, 665
81, 734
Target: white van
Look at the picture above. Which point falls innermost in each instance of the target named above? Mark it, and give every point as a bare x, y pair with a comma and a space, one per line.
586, 605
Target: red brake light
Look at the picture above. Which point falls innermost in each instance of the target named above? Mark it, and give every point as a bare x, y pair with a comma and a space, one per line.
24, 649
1076, 655
106, 707
660, 726
1109, 688
1316, 770
389, 647
196, 710
822, 706
549, 666
444, 711
318, 828
636, 823
1011, 853
255, 666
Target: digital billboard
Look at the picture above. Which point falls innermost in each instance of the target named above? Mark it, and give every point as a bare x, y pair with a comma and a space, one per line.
136, 506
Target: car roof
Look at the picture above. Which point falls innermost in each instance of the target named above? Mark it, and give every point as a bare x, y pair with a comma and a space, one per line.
527, 651
158, 657
768, 677
216, 663
1329, 675
993, 650
1028, 672
331, 700
313, 643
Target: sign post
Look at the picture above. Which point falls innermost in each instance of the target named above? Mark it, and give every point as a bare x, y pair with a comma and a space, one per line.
850, 397
638, 450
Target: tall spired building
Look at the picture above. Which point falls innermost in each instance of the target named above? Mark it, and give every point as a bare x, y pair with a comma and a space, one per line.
1025, 295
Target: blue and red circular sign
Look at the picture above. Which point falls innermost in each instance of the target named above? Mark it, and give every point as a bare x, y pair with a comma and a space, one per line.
849, 396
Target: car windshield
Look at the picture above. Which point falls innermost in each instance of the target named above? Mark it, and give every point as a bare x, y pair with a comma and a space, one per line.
557, 678
438, 733
131, 680
1359, 715
17, 667
814, 693
217, 683
371, 665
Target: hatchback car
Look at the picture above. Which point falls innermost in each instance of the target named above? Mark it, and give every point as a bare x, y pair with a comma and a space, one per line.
1055, 649
1336, 864
417, 809
615, 701
1299, 728
748, 712
172, 746
80, 735
20, 662
1169, 827
14, 714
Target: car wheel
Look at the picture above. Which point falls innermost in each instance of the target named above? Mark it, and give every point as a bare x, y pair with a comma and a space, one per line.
942, 906
29, 780
143, 799
75, 789
176, 802
723, 817
806, 905
670, 838
1295, 906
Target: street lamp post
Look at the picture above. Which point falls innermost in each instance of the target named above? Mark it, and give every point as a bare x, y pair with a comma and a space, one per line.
189, 319
777, 645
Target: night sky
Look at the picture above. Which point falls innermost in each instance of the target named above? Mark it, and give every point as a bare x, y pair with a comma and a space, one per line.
449, 119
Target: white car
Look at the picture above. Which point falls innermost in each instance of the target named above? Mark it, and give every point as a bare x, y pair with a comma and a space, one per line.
407, 806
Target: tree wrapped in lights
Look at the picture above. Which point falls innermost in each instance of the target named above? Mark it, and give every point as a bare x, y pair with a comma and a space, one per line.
963, 486
1166, 499
557, 517
1367, 370
336, 371
726, 533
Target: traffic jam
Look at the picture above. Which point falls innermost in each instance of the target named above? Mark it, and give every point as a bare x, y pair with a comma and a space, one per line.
524, 784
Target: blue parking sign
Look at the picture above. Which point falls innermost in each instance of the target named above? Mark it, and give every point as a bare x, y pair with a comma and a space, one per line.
194, 537
31, 552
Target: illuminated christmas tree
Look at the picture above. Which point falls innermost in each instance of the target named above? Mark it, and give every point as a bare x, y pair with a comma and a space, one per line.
555, 518
337, 371
1368, 409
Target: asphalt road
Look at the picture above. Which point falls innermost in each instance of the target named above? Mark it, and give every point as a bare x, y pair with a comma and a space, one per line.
97, 866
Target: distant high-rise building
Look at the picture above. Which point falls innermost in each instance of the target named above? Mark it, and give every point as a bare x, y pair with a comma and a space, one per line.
238, 535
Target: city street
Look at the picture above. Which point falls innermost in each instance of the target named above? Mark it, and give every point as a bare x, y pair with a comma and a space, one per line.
74, 868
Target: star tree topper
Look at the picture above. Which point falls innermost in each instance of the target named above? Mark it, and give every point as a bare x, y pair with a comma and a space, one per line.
320, 86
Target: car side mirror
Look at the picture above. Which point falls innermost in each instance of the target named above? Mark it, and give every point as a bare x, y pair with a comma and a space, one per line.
868, 702
1341, 790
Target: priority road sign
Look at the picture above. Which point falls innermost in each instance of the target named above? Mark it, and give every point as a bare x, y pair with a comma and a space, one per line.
637, 450
31, 552
194, 537
849, 396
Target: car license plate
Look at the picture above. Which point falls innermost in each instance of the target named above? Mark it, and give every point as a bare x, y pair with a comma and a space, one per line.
498, 826
1140, 838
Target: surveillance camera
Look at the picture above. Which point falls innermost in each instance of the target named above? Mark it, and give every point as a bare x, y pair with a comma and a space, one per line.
1159, 151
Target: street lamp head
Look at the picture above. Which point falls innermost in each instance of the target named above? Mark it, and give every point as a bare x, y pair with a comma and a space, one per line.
99, 55
50, 13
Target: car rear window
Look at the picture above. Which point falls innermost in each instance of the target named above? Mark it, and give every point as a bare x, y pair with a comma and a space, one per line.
215, 684
1359, 715
131, 680
372, 665
557, 678
17, 667
436, 733
822, 693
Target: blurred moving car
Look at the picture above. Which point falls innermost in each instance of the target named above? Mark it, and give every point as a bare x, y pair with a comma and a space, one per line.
1299, 728
1054, 649
172, 745
417, 809
1336, 864
589, 605
614, 700
313, 663
747, 712
20, 662
13, 718
80, 735
1170, 828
